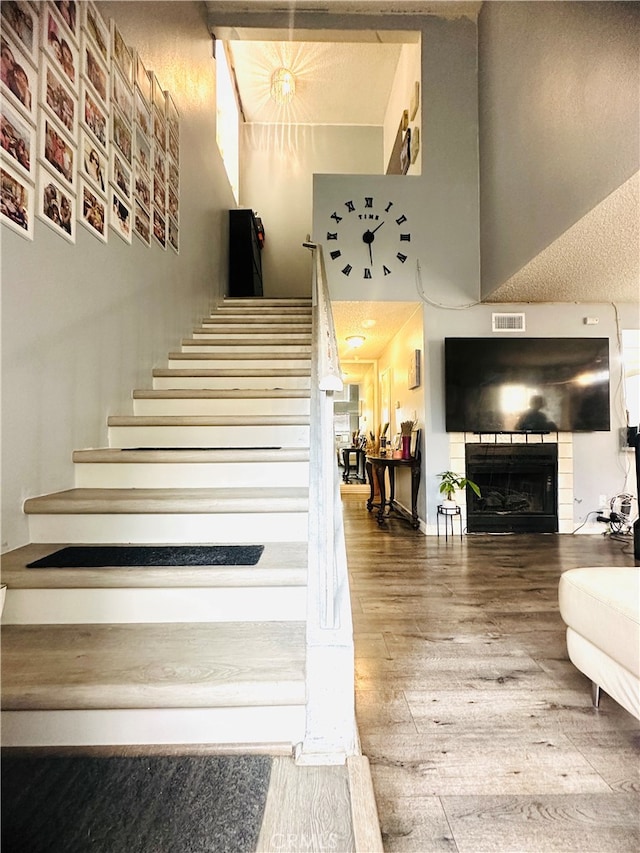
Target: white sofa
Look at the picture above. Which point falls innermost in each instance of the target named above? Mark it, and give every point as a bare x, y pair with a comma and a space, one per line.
601, 608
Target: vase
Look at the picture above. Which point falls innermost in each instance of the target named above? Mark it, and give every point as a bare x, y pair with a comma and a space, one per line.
406, 447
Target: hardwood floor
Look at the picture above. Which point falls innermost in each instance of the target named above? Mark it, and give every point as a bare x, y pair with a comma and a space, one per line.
480, 732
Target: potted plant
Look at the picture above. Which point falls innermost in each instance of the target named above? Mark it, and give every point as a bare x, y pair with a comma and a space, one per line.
450, 482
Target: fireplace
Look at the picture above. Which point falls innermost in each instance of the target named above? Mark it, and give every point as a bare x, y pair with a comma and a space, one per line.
519, 486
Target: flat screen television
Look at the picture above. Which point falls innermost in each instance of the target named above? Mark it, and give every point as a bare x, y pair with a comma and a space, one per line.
526, 384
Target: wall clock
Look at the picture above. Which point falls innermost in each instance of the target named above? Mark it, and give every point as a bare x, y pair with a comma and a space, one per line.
368, 237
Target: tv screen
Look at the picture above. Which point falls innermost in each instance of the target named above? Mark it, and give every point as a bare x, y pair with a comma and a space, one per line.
527, 384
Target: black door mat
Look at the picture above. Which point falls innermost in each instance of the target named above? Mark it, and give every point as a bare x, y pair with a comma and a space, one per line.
139, 804
94, 556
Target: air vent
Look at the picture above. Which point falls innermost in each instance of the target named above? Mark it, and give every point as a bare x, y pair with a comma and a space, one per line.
507, 322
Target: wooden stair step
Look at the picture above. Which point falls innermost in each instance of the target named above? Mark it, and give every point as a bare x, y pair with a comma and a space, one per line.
273, 335
235, 356
207, 420
279, 308
212, 355
281, 563
162, 665
220, 394
264, 302
117, 455
239, 373
244, 319
174, 501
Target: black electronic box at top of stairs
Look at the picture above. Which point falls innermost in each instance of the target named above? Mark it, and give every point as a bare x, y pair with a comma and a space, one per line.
245, 262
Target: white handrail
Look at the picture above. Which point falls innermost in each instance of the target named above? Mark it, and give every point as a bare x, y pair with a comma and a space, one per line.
329, 373
330, 725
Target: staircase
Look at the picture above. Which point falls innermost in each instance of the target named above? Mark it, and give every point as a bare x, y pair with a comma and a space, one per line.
215, 452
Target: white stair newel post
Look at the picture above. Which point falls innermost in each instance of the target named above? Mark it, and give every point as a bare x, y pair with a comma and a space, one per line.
330, 721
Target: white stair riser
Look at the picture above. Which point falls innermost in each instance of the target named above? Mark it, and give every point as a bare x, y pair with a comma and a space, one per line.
271, 326
170, 529
195, 475
269, 724
248, 348
208, 436
215, 383
133, 606
248, 336
223, 406
215, 362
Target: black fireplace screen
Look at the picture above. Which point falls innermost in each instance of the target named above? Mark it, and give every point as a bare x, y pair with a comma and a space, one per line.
518, 485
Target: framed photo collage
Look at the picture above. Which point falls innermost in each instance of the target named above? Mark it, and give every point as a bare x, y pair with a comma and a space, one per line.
87, 134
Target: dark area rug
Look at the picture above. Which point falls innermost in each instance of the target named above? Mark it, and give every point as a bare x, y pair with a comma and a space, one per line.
94, 556
140, 804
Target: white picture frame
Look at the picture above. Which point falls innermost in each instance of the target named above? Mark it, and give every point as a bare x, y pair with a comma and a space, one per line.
58, 99
142, 224
121, 135
18, 141
51, 194
159, 130
68, 12
120, 216
142, 151
93, 164
142, 80
94, 117
120, 175
92, 211
159, 228
120, 53
96, 73
17, 198
59, 47
96, 30
18, 79
142, 186
173, 235
142, 113
173, 203
121, 94
22, 22
56, 152
159, 194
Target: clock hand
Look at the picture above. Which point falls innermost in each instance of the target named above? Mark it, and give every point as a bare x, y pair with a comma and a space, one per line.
376, 228
370, 254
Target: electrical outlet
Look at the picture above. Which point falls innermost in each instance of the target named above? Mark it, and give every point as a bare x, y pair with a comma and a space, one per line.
602, 501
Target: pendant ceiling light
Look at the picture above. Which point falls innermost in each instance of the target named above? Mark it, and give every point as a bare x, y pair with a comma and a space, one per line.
283, 85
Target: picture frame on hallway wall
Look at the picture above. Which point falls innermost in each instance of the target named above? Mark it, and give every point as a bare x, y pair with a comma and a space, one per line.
56, 205
16, 202
93, 211
413, 373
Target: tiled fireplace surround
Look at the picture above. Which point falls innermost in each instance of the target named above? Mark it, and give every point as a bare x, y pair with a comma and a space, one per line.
564, 441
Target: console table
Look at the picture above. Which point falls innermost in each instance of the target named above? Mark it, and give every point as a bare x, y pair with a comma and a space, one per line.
346, 460
376, 467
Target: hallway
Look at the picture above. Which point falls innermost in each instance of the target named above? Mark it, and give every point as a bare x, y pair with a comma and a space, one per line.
480, 732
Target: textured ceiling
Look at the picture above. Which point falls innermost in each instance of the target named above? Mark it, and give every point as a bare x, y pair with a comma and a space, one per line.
378, 322
596, 260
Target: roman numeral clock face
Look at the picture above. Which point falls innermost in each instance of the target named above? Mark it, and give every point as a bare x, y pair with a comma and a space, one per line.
368, 238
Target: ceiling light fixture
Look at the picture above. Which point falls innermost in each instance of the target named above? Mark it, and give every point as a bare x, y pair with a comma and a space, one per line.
355, 341
283, 85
